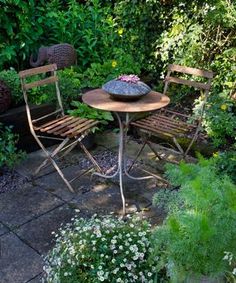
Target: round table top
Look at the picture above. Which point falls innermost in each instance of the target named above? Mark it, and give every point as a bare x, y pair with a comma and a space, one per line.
100, 99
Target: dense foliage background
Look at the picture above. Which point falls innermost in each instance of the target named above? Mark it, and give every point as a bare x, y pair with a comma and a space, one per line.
113, 37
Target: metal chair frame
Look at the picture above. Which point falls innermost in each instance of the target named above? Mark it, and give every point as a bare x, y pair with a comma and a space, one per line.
70, 131
150, 126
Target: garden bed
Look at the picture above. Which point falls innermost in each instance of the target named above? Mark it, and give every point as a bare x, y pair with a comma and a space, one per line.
17, 118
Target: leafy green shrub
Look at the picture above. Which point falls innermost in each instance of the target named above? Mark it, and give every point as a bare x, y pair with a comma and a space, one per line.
231, 259
168, 199
139, 24
22, 30
192, 241
87, 26
9, 155
225, 163
98, 73
101, 250
12, 80
84, 111
206, 40
69, 84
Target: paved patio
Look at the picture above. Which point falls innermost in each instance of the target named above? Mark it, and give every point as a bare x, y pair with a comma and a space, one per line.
30, 214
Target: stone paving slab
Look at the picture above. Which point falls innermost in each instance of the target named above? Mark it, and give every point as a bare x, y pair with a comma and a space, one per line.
54, 184
37, 279
30, 214
3, 229
28, 166
23, 205
18, 261
38, 233
108, 139
103, 199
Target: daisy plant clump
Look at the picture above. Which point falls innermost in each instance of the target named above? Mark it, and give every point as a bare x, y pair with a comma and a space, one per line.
104, 249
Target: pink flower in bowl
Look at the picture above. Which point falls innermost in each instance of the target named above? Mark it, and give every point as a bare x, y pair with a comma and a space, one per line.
129, 78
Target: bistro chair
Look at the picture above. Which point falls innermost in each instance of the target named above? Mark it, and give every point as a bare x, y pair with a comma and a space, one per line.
170, 123
68, 130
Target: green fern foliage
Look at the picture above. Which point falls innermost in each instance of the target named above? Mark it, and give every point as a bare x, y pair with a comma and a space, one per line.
193, 238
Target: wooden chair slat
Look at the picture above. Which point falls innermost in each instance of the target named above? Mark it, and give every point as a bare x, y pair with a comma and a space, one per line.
160, 127
173, 121
155, 122
190, 71
46, 81
154, 130
84, 129
77, 127
50, 122
36, 71
75, 122
54, 123
169, 120
188, 82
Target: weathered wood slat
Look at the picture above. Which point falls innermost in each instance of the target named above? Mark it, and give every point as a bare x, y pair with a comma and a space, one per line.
54, 123
169, 121
160, 120
159, 127
61, 127
36, 71
153, 130
75, 122
49, 123
190, 71
46, 81
84, 129
165, 111
188, 82
77, 127
173, 121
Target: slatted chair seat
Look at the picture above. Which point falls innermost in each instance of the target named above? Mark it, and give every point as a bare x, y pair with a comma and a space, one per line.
160, 125
172, 124
67, 126
68, 130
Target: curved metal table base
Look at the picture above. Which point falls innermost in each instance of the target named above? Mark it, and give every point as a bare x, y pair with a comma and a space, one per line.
122, 170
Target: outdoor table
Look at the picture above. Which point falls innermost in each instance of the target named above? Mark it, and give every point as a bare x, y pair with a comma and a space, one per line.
100, 99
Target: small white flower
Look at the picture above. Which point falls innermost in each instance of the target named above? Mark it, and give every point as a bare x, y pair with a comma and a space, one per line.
234, 271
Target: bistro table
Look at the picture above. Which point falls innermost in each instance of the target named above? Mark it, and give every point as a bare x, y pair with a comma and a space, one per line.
100, 99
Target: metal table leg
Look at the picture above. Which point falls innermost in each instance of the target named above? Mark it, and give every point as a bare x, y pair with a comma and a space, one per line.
123, 126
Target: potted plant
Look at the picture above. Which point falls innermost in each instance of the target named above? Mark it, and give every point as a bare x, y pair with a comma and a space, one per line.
193, 240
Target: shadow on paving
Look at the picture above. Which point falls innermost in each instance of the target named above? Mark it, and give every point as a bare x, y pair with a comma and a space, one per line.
30, 214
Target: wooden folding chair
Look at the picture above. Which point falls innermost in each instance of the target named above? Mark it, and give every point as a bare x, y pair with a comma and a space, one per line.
172, 124
68, 130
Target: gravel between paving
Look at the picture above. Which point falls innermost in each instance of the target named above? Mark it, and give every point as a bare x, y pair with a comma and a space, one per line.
10, 180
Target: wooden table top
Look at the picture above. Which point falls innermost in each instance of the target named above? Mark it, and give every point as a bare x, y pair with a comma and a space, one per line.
100, 99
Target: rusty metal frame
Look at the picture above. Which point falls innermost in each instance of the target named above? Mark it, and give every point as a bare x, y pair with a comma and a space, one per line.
160, 124
122, 158
68, 142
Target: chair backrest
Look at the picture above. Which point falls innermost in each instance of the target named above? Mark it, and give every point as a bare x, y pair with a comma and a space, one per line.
208, 75
52, 79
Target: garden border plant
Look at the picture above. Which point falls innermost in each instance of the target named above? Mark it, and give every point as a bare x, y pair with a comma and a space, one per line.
9, 154
193, 239
102, 249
